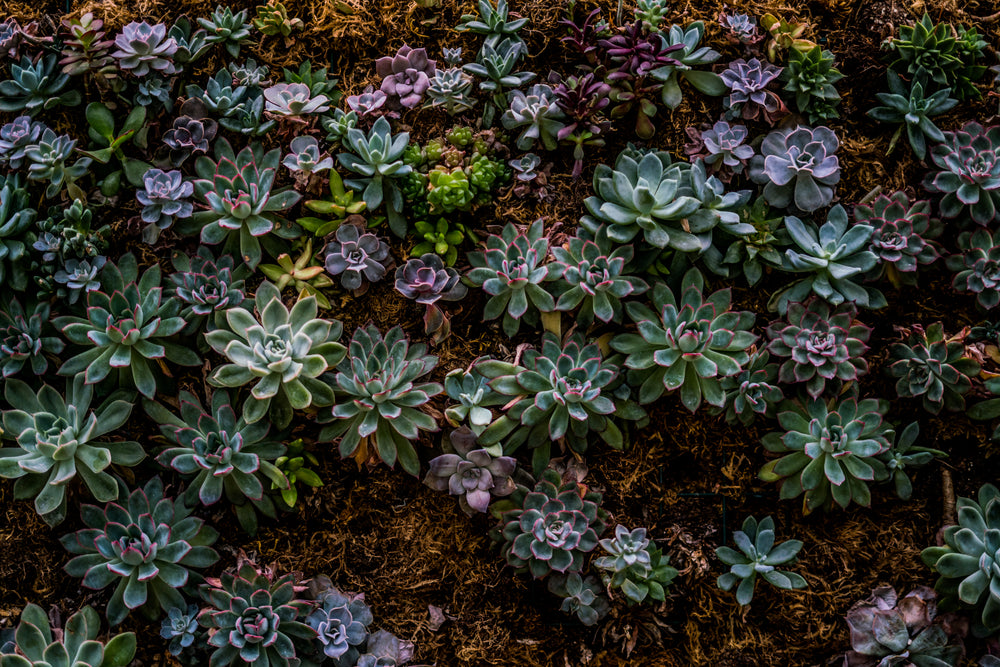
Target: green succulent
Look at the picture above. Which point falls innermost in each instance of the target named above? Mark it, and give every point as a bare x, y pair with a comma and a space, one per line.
831, 451
753, 391
297, 466
441, 238
377, 413
448, 190
221, 96
474, 397
689, 56
492, 22
304, 275
126, 330
939, 55
59, 440
635, 565
933, 367
16, 219
751, 252
48, 160
34, 86
990, 408
810, 75
495, 66
583, 598
282, 352
912, 109
377, 159
227, 28
334, 210
688, 344
760, 556
75, 645
907, 455
317, 79
273, 20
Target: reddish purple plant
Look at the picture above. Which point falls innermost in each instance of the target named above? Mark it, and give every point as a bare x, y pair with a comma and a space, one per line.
426, 280
635, 52
584, 36
582, 99
406, 75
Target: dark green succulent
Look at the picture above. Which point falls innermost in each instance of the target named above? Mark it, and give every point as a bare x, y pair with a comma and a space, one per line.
22, 339
227, 28
36, 85
584, 598
49, 161
905, 456
75, 645
939, 55
933, 367
688, 57
687, 344
16, 219
990, 408
635, 565
148, 544
752, 252
474, 397
207, 287
912, 109
492, 22
978, 266
760, 556
810, 75
495, 66
376, 159
753, 391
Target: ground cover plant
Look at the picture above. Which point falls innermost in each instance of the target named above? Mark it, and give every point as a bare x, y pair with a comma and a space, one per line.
541, 332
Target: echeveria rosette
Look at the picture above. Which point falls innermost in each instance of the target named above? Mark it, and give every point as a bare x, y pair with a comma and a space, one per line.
376, 158
834, 255
933, 367
293, 100
243, 206
220, 454
471, 473
22, 339
907, 104
941, 53
512, 270
126, 329
378, 398
147, 545
758, 555
686, 344
427, 280
356, 257
968, 565
969, 176
552, 527
584, 598
406, 76
253, 618
642, 194
635, 565
59, 440
753, 391
76, 644
164, 197
830, 451
207, 287
283, 352
473, 399
341, 623
978, 266
538, 113
144, 49
824, 345
906, 456
902, 234
181, 628
798, 168
749, 96
15, 138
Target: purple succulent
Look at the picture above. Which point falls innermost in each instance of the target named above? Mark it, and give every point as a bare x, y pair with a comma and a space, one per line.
472, 474
406, 75
902, 234
16, 137
352, 255
584, 36
164, 197
582, 99
723, 148
426, 280
635, 52
969, 160
367, 102
822, 344
144, 48
191, 132
740, 28
12, 36
294, 99
798, 167
748, 93
341, 623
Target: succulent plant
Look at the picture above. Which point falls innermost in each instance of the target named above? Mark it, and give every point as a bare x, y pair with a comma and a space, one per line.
305, 157
367, 103
749, 96
253, 618
450, 89
723, 148
584, 36
76, 644
889, 629
550, 528
584, 598
492, 22
760, 555
338, 208
207, 287
59, 436
798, 168
180, 628
471, 473
127, 329
495, 65
967, 564
834, 255
282, 352
341, 623
22, 341
990, 408
294, 100
810, 75
904, 456
582, 99
939, 54
376, 159
740, 28
934, 367
294, 466
220, 454
87, 49
192, 42
426, 280
385, 650
13, 36
145, 48
785, 36
825, 345
912, 108
512, 270
36, 85
191, 133
449, 190
902, 235
749, 253
377, 414
273, 20
753, 391
635, 565
15, 139
243, 206
978, 266
537, 112
221, 95
830, 451
690, 56
317, 79
407, 75
228, 28
356, 256
687, 344
48, 160
148, 544
969, 176
474, 398
16, 219
164, 196
305, 275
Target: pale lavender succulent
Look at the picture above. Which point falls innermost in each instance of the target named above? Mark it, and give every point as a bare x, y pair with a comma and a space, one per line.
16, 137
306, 157
726, 146
144, 48
748, 93
406, 75
80, 276
294, 100
426, 280
165, 196
355, 256
472, 474
367, 102
452, 57
740, 28
798, 167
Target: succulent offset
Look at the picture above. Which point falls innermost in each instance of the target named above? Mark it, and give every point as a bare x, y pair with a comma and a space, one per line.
758, 555
934, 367
471, 473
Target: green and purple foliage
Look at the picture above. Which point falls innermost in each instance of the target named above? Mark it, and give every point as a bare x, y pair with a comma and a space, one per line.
145, 48
378, 414
192, 132
38, 644
740, 28
147, 543
902, 235
582, 99
635, 565
341, 622
687, 344
934, 367
749, 97
356, 257
59, 440
723, 148
584, 598
760, 556
471, 473
513, 271
978, 266
207, 287
22, 341
253, 618
753, 391
969, 176
426, 280
906, 455
551, 528
180, 628
594, 280
406, 75
798, 168
562, 391
126, 329
825, 345
537, 112
830, 449
243, 208
219, 453
583, 36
